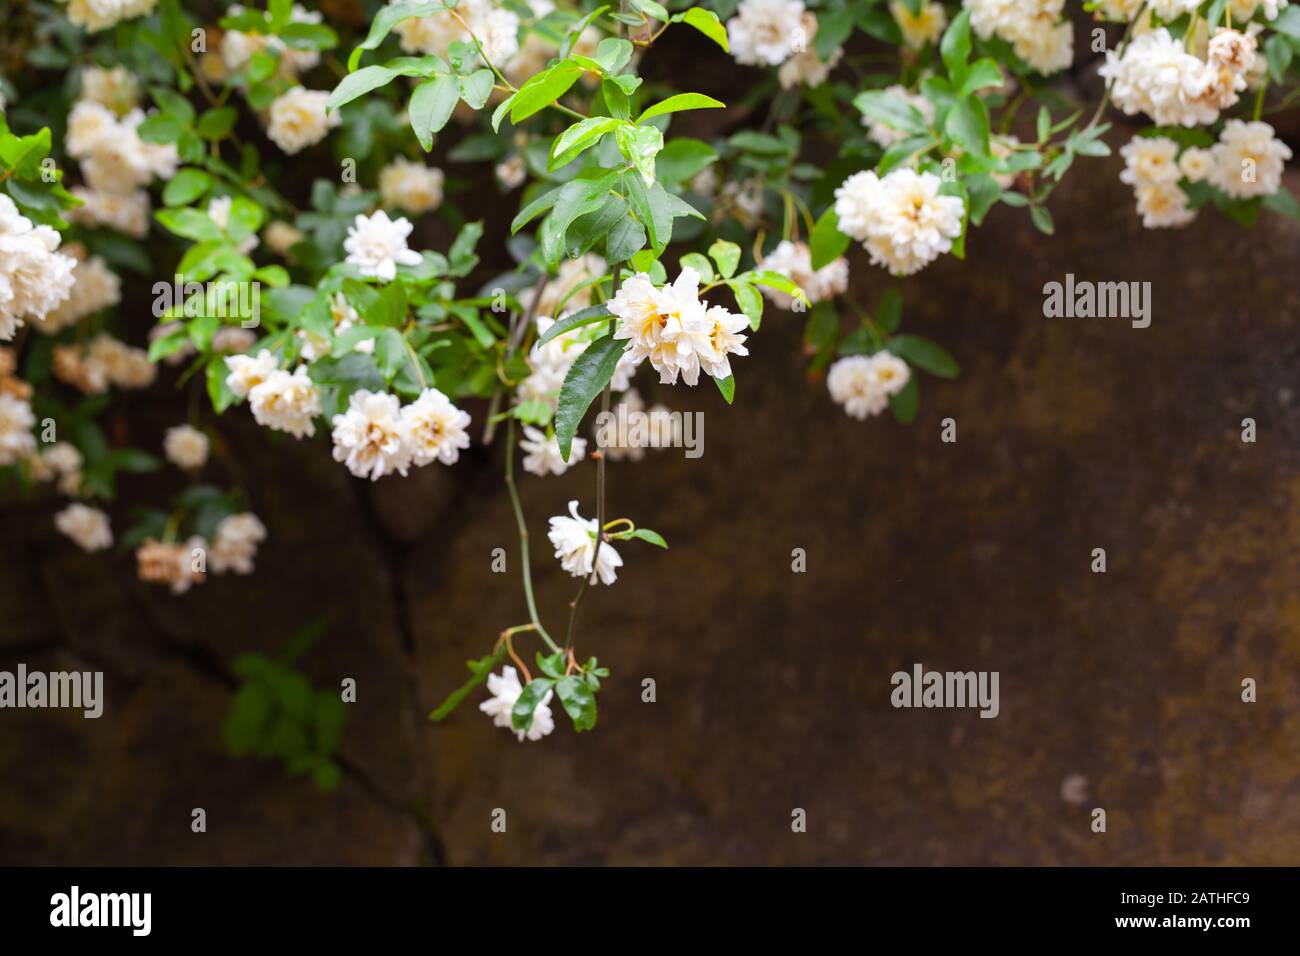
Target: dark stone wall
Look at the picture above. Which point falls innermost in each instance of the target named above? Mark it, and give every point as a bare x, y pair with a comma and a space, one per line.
773, 687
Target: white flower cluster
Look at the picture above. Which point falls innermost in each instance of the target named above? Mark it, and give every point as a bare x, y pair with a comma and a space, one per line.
680, 334
377, 435
624, 438
279, 400
345, 317
767, 32
496, 29
235, 544
104, 361
16, 422
186, 447
376, 245
902, 219
1157, 76
87, 526
1247, 161
298, 119
794, 261
505, 690
805, 66
863, 384
116, 89
61, 463
96, 15
114, 159
413, 187
1035, 29
34, 277
94, 287
575, 546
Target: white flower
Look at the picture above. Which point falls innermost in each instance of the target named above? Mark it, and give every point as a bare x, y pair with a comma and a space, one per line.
794, 261
902, 220
186, 446
1248, 160
116, 88
436, 428
376, 245
96, 15
805, 66
235, 544
1232, 50
298, 119
1157, 76
1196, 164
665, 326
505, 690
281, 237
571, 274
765, 32
885, 135
1243, 10
511, 171
34, 278
237, 48
863, 384
722, 330
1120, 9
114, 159
127, 214
246, 372
1034, 28
1169, 10
191, 561
1150, 159
63, 459
1163, 205
87, 526
286, 403
542, 453
414, 187
921, 28
372, 438
16, 422
575, 546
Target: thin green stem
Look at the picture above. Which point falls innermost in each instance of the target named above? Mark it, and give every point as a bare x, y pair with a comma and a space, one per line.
523, 535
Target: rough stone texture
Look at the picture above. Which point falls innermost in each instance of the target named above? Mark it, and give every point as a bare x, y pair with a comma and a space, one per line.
773, 687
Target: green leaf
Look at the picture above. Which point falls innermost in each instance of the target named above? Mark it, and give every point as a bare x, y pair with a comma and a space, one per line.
534, 209
521, 715
955, 47
589, 373
1041, 217
968, 125
983, 74
924, 354
575, 320
189, 224
693, 260
827, 243
578, 701
579, 196
625, 240
707, 22
431, 107
640, 144
654, 537
682, 101
904, 402
384, 21
651, 205
726, 255
216, 123
359, 84
579, 137
892, 110
750, 302
889, 314
612, 53
683, 158
476, 88
543, 89
186, 186
727, 386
